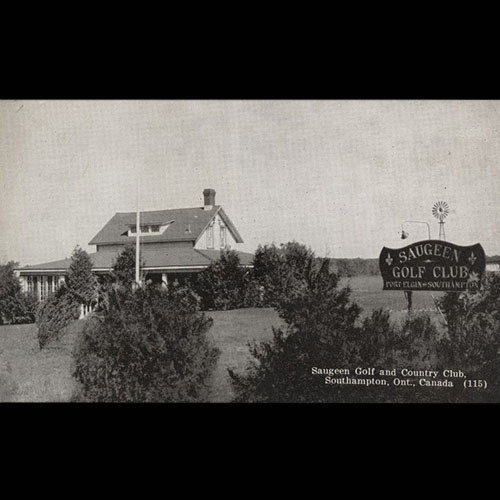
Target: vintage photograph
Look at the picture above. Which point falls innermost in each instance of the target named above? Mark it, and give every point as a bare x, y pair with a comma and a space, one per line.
250, 251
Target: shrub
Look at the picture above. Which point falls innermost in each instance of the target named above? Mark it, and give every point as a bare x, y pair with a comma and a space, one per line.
320, 332
26, 307
10, 288
123, 273
55, 314
254, 293
222, 285
280, 271
15, 306
81, 281
150, 345
324, 330
472, 343
62, 307
268, 273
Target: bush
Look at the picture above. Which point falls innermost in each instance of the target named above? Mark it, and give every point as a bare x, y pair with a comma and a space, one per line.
123, 273
222, 285
281, 271
324, 330
281, 370
63, 307
15, 306
320, 332
81, 281
26, 308
150, 345
472, 343
254, 293
55, 314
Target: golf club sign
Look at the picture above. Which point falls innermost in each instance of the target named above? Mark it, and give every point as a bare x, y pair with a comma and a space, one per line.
432, 265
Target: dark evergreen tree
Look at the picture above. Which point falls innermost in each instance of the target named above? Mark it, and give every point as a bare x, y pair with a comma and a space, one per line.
15, 306
55, 314
321, 332
10, 289
124, 267
63, 307
222, 285
150, 345
81, 281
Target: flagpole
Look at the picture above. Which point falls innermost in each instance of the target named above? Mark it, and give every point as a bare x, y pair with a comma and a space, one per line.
137, 237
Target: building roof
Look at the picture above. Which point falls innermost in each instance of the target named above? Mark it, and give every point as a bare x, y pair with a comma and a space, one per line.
188, 225
153, 258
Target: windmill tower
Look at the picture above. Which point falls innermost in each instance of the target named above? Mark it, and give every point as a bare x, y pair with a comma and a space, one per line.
440, 210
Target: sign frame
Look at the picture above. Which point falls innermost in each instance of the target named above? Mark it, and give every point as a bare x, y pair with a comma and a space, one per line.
432, 265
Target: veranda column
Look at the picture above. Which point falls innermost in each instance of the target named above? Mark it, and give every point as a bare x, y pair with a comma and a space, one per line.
164, 280
39, 285
24, 283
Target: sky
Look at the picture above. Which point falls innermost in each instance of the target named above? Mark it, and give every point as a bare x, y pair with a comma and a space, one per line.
339, 176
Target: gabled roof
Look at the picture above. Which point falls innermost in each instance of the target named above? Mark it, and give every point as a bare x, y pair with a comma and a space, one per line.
152, 258
188, 225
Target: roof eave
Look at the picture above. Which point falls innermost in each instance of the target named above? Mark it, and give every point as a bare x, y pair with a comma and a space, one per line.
132, 241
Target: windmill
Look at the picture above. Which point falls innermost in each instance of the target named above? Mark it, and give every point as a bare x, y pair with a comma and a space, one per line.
440, 210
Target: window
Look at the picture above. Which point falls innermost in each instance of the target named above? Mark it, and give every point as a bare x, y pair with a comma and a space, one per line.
30, 284
210, 236
223, 236
147, 229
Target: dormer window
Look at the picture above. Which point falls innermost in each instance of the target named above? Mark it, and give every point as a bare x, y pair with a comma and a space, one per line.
149, 229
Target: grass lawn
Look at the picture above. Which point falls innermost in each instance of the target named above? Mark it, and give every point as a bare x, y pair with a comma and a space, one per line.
30, 375
231, 332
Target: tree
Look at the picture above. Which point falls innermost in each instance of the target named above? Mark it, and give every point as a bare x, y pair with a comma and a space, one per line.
320, 332
324, 330
10, 289
55, 314
150, 345
280, 270
15, 305
470, 317
124, 268
222, 285
63, 307
81, 281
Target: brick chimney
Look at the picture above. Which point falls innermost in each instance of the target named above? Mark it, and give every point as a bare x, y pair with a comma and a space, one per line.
209, 197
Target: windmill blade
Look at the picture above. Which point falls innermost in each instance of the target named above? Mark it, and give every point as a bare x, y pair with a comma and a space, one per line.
440, 210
